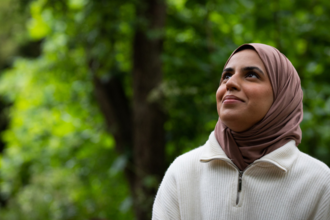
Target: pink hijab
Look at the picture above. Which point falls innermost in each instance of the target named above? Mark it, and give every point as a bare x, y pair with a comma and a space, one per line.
280, 124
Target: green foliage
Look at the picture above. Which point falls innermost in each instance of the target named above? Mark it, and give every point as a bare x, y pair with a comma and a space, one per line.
12, 32
59, 161
58, 156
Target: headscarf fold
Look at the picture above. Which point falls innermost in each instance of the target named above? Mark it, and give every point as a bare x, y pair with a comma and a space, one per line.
280, 124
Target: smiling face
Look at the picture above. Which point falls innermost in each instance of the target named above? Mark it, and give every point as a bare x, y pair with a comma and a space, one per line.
245, 93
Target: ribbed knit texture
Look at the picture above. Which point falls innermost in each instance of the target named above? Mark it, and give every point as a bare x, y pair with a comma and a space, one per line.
203, 183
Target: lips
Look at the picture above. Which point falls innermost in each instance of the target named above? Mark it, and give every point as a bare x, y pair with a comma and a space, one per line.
231, 98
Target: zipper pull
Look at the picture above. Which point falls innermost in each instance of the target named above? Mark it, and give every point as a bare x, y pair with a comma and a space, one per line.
240, 181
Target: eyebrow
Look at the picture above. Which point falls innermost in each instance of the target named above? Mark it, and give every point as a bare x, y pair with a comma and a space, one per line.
229, 69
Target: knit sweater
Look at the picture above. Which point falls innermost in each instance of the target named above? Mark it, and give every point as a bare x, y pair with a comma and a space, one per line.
205, 184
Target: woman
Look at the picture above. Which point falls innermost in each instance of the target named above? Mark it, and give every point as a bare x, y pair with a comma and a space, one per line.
250, 168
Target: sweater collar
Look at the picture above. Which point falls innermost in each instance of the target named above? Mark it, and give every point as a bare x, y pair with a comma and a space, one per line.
283, 157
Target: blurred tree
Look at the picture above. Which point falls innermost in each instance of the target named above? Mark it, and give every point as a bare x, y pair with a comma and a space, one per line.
140, 134
14, 41
90, 32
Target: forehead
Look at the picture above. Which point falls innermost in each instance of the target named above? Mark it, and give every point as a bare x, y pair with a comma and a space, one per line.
247, 57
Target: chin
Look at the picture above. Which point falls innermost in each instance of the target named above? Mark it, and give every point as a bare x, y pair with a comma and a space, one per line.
235, 122
231, 117
231, 122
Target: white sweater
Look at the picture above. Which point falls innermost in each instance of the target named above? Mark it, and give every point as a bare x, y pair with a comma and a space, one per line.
203, 184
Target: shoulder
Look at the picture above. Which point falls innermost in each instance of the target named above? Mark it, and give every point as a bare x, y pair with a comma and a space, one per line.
317, 176
188, 160
190, 156
187, 164
311, 163
313, 170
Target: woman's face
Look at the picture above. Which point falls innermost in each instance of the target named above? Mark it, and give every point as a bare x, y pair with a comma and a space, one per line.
245, 93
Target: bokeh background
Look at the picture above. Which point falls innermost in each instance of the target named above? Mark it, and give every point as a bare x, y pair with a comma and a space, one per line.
98, 97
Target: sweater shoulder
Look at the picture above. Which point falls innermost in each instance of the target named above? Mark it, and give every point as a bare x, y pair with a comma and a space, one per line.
186, 163
314, 163
190, 156
313, 167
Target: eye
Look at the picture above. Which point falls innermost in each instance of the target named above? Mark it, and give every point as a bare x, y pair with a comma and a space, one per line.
225, 76
252, 75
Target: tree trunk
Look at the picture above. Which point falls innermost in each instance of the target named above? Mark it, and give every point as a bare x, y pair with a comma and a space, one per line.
148, 117
139, 133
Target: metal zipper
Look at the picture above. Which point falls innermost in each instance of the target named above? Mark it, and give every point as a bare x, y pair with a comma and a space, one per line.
240, 175
239, 187
240, 180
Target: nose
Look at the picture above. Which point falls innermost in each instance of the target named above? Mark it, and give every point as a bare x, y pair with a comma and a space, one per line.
233, 83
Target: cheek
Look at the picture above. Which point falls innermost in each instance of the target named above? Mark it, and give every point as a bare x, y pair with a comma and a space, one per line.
267, 96
220, 93
262, 97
